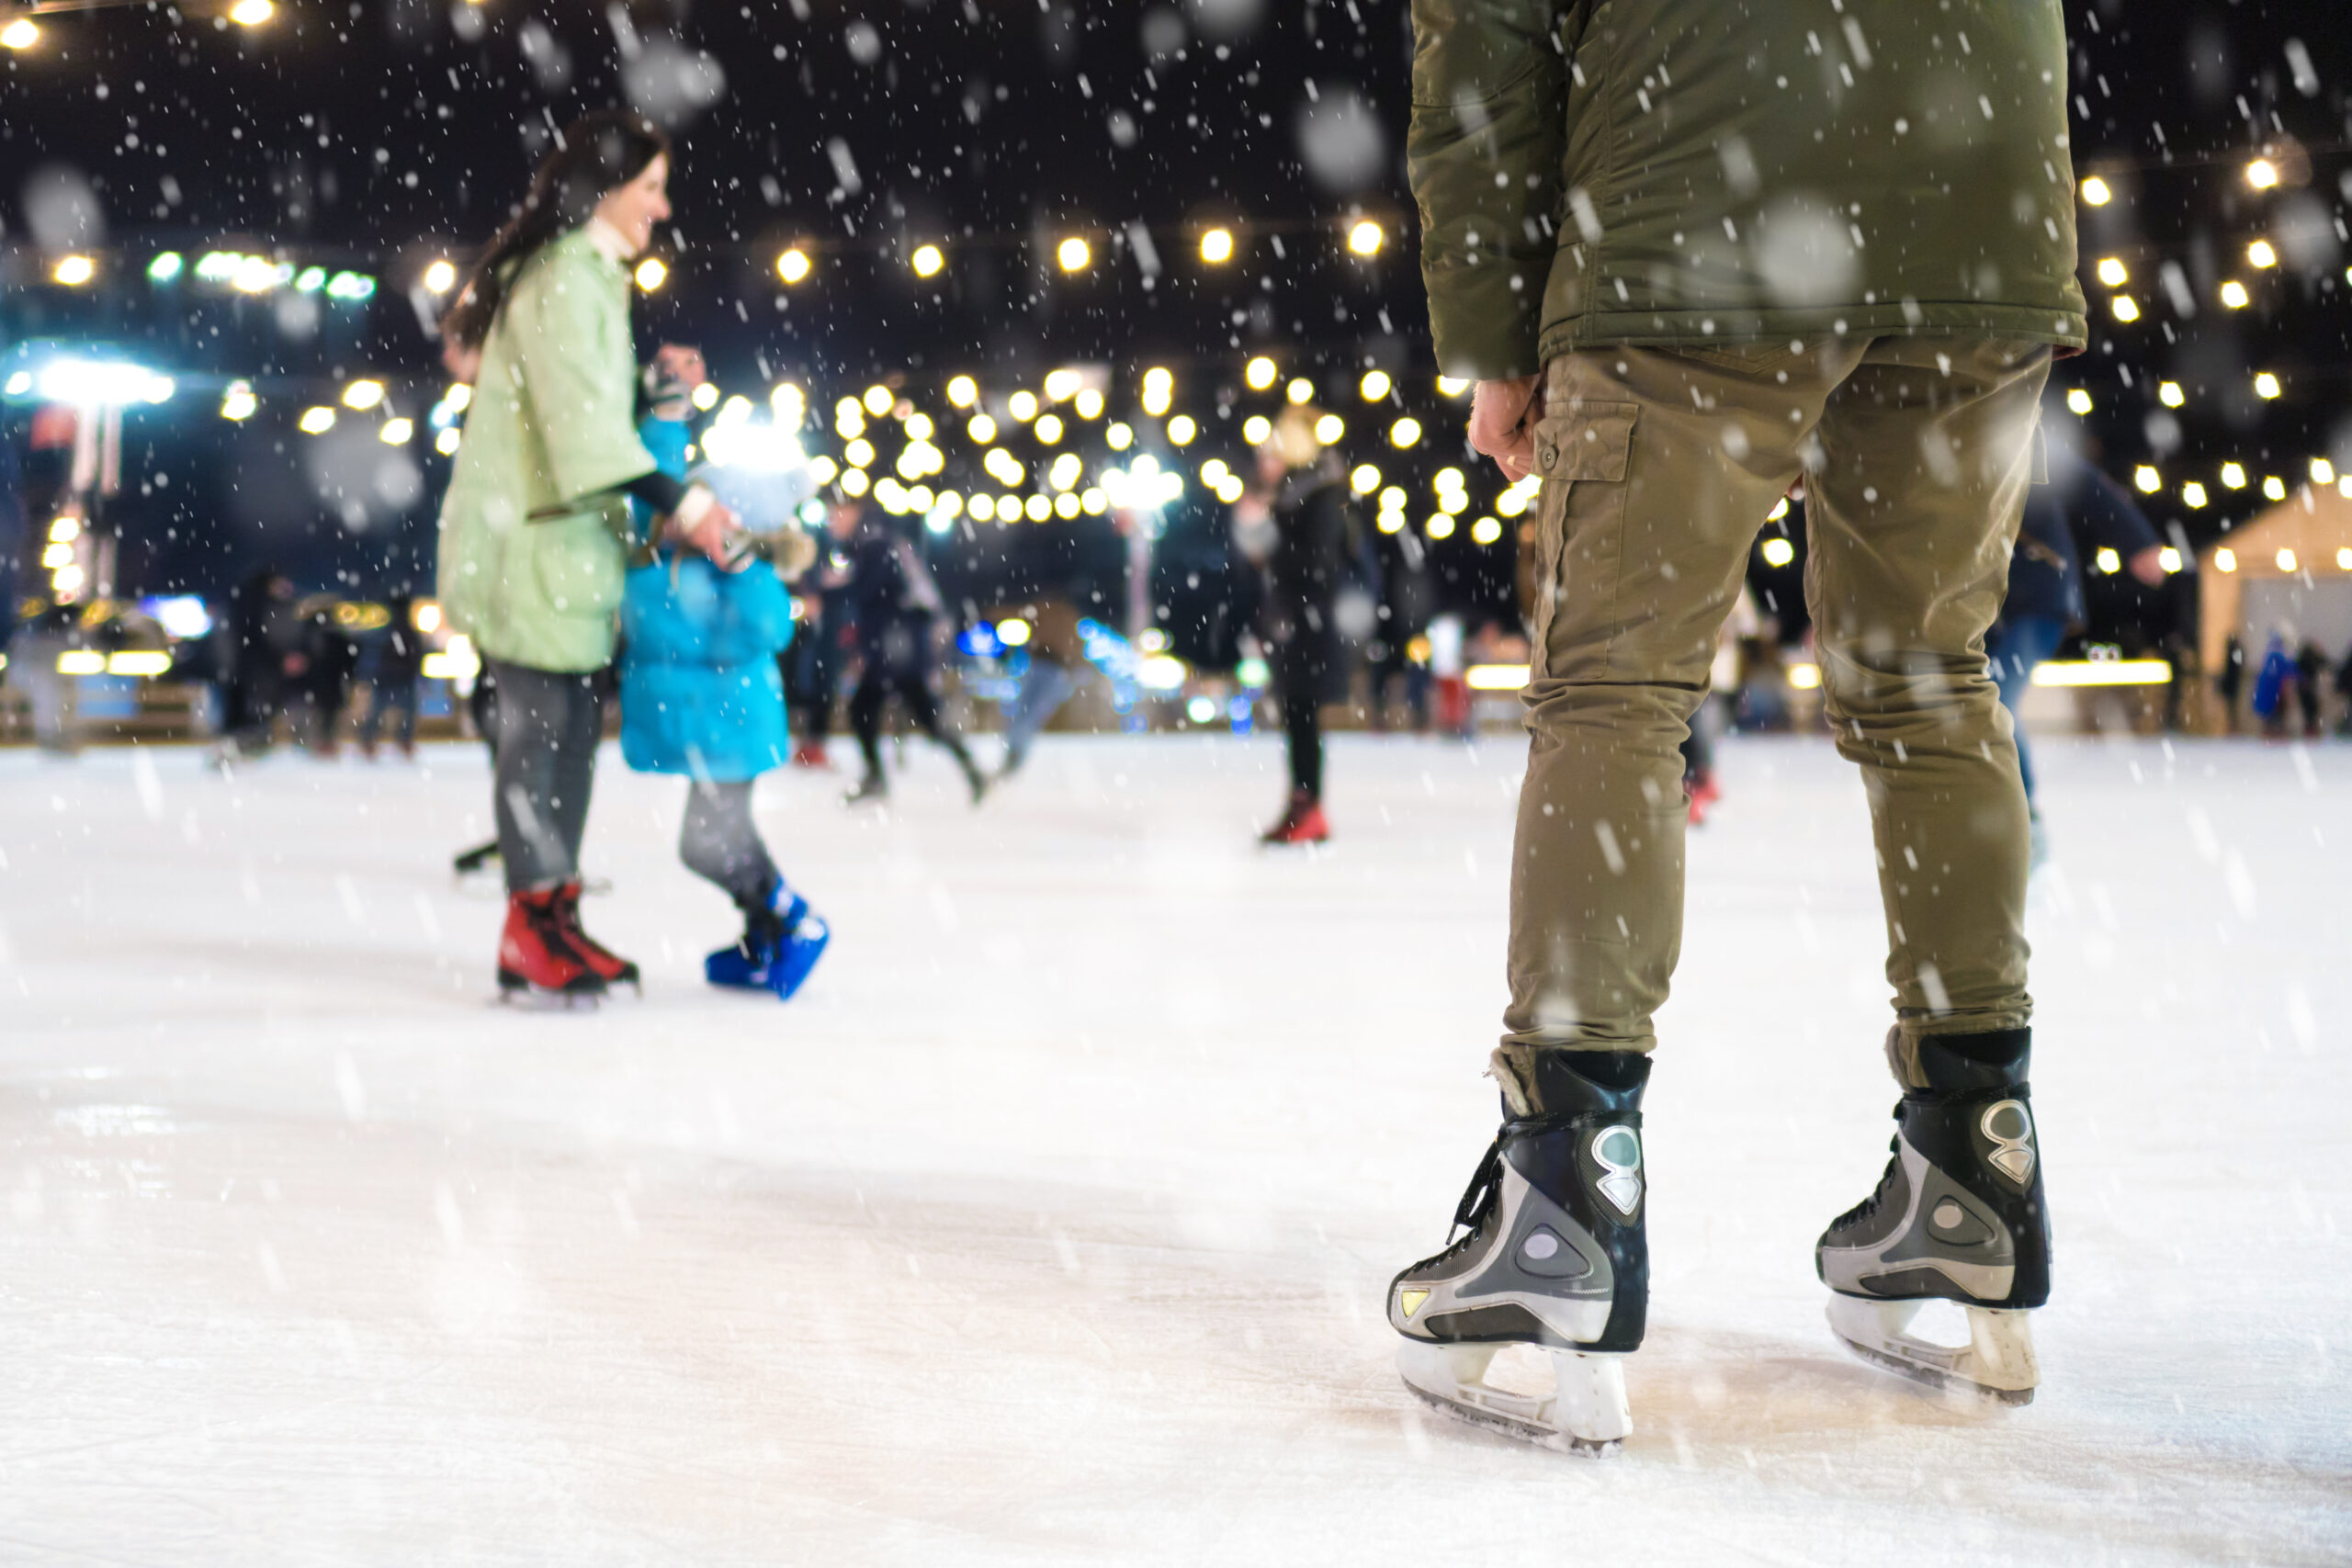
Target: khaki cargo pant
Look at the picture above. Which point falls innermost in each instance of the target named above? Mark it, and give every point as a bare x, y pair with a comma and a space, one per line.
1659, 467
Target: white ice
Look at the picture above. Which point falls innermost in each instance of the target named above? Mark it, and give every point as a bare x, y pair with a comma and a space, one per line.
1051, 1224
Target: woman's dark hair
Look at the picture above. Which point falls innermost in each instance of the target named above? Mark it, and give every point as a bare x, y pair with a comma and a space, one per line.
592, 156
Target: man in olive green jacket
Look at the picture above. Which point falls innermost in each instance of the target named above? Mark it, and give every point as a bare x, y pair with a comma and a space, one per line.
1693, 251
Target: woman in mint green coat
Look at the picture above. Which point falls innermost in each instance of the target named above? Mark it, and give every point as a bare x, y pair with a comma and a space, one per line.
534, 530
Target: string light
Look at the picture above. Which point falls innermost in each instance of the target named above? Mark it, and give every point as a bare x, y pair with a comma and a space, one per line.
2286, 559
962, 391
2112, 272
2170, 395
878, 400
2234, 296
1216, 247
1074, 254
1049, 428
1329, 428
74, 271
2233, 475
2096, 192
1405, 432
981, 429
396, 432
21, 33
1256, 428
1021, 406
793, 265
1181, 429
928, 261
1364, 237
1374, 385
1089, 403
2147, 481
1259, 373
2126, 308
1061, 384
1158, 391
440, 276
1300, 389
316, 421
2274, 488
2078, 400
2261, 255
2266, 385
251, 13
651, 273
2192, 494
2262, 174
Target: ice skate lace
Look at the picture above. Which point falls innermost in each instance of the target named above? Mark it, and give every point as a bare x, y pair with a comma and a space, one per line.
1485, 1190
1869, 1205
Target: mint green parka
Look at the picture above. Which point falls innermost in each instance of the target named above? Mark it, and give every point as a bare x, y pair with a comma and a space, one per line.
1695, 171
535, 533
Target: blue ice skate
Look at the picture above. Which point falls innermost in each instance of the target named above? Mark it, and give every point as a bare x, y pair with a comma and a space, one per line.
778, 950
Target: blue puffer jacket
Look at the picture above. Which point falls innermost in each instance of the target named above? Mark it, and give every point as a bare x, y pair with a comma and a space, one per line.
700, 691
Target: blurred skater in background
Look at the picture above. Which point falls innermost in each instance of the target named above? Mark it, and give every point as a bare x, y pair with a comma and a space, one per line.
2080, 507
534, 534
702, 695
1297, 525
897, 610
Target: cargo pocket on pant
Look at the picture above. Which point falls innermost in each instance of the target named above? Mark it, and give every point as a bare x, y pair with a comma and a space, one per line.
1587, 444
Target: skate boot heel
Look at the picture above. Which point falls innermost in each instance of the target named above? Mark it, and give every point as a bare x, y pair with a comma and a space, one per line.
1586, 1412
1997, 1362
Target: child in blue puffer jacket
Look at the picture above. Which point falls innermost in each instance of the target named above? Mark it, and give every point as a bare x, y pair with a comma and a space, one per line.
701, 695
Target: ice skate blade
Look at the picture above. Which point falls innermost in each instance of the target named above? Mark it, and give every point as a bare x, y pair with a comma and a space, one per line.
1586, 1412
1998, 1363
523, 995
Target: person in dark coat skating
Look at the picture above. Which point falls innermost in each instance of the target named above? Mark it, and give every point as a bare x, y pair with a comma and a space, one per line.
896, 608
1299, 526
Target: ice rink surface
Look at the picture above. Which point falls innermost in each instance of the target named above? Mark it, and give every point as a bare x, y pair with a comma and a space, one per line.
1051, 1224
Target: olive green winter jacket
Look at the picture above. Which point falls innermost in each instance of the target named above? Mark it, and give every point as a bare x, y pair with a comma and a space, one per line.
1706, 171
534, 534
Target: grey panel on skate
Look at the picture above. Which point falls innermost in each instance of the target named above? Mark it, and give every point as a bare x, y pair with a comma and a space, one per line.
1537, 1258
1546, 1253
1942, 1229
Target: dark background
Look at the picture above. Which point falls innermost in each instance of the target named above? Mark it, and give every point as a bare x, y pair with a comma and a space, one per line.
384, 133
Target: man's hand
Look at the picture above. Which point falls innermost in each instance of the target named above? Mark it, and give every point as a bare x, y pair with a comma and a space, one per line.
2148, 566
1502, 423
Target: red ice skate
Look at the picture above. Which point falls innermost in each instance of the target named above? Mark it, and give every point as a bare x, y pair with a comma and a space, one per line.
811, 754
601, 961
534, 957
1303, 823
1703, 792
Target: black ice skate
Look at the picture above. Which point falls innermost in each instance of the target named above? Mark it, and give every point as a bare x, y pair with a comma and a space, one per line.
1555, 1256
1957, 1216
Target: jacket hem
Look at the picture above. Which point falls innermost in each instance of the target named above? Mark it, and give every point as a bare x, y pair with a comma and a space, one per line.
1686, 328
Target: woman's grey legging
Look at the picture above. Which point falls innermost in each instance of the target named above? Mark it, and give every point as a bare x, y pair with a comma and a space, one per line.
548, 722
719, 843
